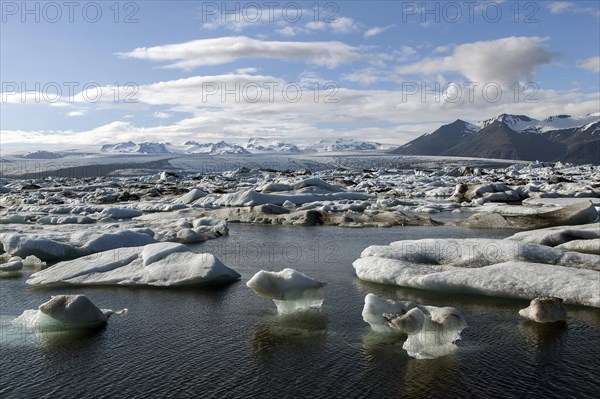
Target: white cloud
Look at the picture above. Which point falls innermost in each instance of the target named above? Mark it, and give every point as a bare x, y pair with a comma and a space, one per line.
441, 49
245, 71
162, 115
558, 7
591, 64
503, 61
189, 55
77, 113
376, 30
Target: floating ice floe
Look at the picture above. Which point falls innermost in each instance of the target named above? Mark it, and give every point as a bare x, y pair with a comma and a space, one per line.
545, 310
498, 268
579, 213
160, 264
432, 331
290, 290
558, 235
64, 312
61, 246
11, 268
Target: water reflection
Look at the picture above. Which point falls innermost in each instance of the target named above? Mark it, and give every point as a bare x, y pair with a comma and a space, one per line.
545, 339
18, 335
304, 328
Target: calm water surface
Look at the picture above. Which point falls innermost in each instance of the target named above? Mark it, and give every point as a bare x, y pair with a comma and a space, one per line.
227, 342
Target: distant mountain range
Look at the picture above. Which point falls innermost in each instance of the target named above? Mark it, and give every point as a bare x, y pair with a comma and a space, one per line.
255, 145
519, 137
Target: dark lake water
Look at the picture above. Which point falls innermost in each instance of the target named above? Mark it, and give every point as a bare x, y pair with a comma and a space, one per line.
227, 342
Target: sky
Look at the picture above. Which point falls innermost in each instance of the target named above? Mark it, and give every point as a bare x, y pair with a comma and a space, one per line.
77, 74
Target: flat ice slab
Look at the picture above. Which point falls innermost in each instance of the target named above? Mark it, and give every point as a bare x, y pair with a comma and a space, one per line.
507, 270
161, 264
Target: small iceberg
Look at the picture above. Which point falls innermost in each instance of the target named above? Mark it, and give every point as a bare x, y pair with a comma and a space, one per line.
64, 312
545, 310
290, 290
431, 331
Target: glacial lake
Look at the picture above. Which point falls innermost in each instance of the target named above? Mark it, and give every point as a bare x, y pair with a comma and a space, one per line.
227, 342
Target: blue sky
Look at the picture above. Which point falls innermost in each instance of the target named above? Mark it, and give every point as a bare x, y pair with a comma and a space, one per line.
372, 61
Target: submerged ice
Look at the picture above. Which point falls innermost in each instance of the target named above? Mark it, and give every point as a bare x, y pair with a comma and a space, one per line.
432, 331
290, 290
64, 312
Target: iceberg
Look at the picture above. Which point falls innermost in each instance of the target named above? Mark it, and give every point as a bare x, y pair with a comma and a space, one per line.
432, 331
162, 264
375, 307
523, 271
64, 312
558, 235
545, 310
290, 290
578, 213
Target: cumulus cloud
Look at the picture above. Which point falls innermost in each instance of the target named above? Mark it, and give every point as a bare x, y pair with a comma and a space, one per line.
189, 55
503, 61
592, 64
376, 30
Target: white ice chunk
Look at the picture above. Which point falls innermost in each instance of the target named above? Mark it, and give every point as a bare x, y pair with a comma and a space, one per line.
545, 310
591, 246
191, 196
375, 307
509, 279
290, 290
476, 252
431, 331
120, 213
554, 236
160, 264
64, 312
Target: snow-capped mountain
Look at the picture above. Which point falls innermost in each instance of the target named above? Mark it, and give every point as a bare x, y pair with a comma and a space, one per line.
219, 148
343, 145
560, 137
261, 145
130, 147
522, 123
42, 154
